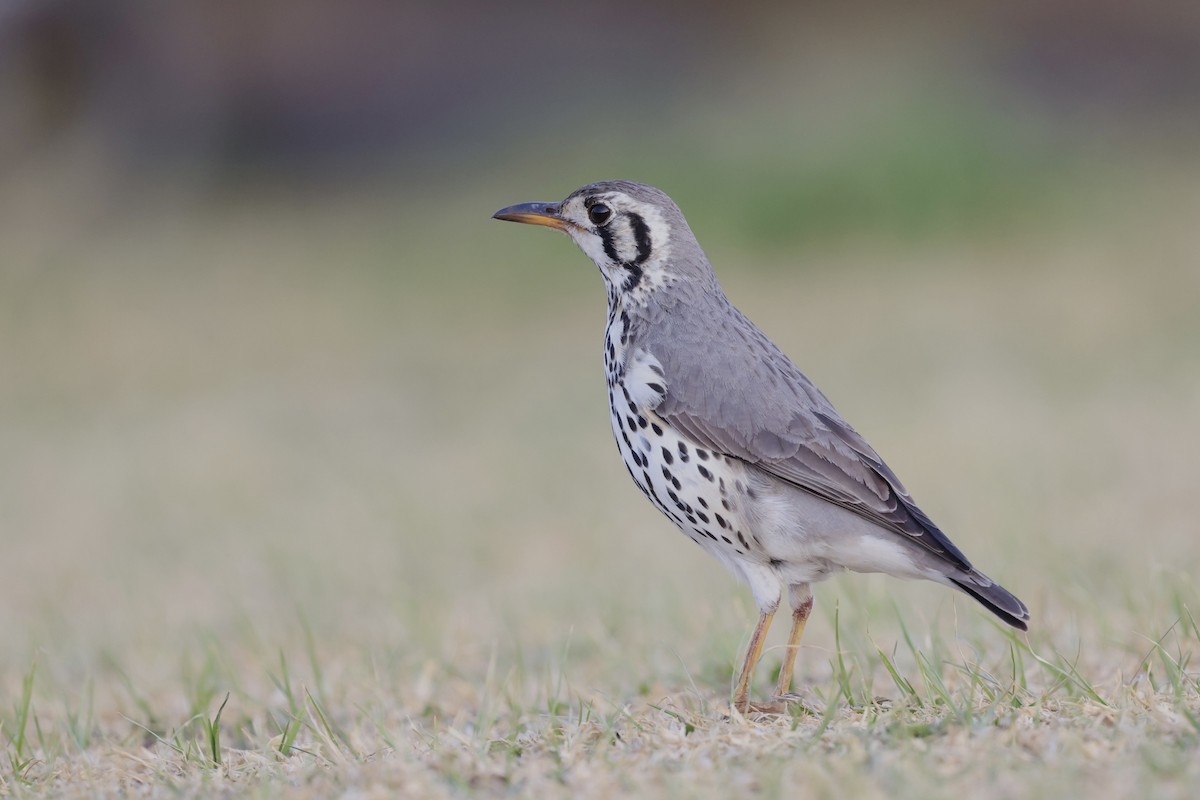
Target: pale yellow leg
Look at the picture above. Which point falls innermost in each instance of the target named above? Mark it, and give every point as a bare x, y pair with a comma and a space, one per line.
741, 697
799, 618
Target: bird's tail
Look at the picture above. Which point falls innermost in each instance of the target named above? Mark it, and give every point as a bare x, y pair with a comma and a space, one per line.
995, 598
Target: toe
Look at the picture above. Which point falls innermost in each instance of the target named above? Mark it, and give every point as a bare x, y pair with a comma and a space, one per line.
782, 705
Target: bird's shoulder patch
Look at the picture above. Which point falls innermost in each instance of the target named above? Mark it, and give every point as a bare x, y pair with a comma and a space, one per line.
645, 379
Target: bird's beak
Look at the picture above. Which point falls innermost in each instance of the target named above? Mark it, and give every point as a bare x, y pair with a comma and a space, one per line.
534, 214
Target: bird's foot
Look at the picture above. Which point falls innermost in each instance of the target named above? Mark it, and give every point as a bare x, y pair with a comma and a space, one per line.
782, 705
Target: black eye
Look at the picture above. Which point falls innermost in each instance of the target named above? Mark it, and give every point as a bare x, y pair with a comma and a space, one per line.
599, 214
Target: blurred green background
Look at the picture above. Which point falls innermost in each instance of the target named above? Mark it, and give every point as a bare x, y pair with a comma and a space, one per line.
266, 363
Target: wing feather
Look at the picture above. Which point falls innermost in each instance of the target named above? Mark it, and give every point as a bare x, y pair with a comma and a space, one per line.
766, 412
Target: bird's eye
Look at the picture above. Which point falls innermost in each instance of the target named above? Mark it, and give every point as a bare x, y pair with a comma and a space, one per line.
599, 214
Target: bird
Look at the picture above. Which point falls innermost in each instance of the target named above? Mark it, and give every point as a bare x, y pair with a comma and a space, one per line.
730, 440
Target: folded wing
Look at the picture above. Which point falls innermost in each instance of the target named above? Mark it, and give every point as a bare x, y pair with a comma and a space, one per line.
750, 402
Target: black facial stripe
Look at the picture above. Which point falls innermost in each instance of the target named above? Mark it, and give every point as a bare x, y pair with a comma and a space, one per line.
606, 238
641, 235
635, 276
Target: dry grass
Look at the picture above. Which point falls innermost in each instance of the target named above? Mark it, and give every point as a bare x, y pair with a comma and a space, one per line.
292, 503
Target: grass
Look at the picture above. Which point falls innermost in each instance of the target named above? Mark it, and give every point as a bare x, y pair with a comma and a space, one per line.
292, 504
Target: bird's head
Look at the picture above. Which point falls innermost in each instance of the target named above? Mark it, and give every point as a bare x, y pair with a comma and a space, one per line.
635, 233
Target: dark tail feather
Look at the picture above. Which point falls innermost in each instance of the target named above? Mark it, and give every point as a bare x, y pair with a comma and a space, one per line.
998, 600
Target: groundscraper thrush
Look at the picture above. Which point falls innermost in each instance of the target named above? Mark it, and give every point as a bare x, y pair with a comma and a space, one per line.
729, 439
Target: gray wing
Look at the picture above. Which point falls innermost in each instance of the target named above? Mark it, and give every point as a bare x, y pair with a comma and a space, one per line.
732, 390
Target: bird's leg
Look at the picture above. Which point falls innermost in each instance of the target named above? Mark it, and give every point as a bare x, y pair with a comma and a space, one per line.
802, 603
741, 697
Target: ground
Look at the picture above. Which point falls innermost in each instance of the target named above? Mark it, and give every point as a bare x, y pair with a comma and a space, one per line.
296, 505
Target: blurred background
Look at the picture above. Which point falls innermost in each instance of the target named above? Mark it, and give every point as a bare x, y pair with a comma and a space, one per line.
266, 363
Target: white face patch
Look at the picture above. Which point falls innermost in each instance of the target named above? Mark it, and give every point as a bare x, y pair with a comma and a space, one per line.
631, 247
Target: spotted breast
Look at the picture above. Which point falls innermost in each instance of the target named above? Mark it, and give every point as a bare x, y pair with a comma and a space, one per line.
700, 490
